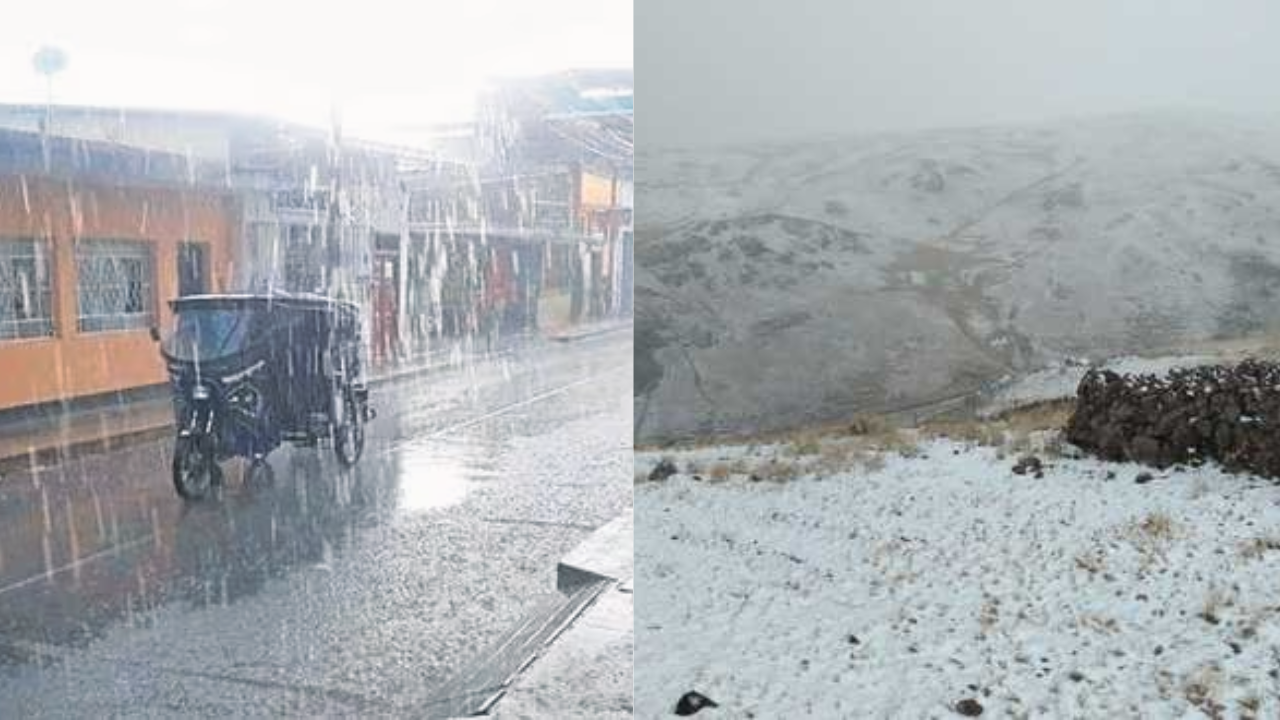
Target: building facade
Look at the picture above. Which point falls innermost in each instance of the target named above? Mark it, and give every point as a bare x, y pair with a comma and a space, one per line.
94, 240
576, 126
526, 227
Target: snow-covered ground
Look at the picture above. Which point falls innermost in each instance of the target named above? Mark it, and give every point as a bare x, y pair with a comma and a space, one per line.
900, 586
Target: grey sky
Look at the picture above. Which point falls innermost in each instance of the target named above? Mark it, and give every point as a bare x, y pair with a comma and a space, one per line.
728, 70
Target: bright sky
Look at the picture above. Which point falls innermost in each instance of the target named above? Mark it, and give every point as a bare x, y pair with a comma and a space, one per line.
389, 63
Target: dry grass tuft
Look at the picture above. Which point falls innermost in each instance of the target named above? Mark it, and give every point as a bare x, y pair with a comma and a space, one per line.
778, 470
1050, 415
860, 444
837, 457
1157, 526
973, 432
989, 616
1257, 547
1098, 623
1031, 429
1203, 688
1151, 537
803, 447
1091, 562
719, 472
1214, 603
1250, 705
873, 463
896, 441
863, 425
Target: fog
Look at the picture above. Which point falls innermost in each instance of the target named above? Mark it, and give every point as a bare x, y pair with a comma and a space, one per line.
723, 71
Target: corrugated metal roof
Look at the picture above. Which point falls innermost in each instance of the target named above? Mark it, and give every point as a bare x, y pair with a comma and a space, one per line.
25, 153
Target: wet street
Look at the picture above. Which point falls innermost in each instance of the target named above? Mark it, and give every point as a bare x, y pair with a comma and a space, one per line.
321, 591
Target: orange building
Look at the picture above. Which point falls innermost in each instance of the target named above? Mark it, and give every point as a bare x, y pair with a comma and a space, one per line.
94, 240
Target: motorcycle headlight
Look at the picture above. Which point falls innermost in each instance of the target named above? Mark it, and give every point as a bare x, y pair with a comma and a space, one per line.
200, 392
244, 398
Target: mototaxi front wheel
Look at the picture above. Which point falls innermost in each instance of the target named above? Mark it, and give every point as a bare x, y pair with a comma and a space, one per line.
348, 437
195, 471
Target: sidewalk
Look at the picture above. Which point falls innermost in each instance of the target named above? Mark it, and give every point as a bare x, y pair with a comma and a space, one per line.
33, 443
586, 672
586, 330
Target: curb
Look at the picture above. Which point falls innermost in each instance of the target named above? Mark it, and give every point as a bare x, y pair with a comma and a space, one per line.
577, 604
63, 453
570, 337
584, 575
605, 556
600, 563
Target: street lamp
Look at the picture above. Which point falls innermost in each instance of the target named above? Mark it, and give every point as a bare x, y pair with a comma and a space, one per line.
49, 61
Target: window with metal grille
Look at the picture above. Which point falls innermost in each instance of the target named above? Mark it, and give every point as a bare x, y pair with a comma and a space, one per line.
26, 289
116, 285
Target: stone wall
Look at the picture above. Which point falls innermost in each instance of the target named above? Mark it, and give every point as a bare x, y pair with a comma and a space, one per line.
1230, 414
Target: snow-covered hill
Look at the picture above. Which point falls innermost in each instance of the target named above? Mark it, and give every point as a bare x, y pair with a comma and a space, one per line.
787, 284
918, 583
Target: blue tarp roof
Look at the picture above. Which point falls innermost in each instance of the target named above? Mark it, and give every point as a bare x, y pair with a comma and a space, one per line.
582, 93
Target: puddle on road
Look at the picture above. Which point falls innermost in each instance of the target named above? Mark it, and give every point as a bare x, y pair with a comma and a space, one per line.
438, 474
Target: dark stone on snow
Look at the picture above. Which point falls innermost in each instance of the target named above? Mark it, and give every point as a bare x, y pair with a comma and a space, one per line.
1027, 465
663, 470
969, 707
692, 702
1143, 478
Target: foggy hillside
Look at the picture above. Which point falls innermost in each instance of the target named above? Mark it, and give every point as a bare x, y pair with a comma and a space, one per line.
786, 284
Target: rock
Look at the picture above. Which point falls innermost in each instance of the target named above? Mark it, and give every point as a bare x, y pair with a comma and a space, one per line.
1075, 676
969, 707
692, 702
663, 470
853, 639
1028, 464
1143, 478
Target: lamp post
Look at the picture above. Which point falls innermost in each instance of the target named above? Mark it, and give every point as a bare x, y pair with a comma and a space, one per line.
49, 61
